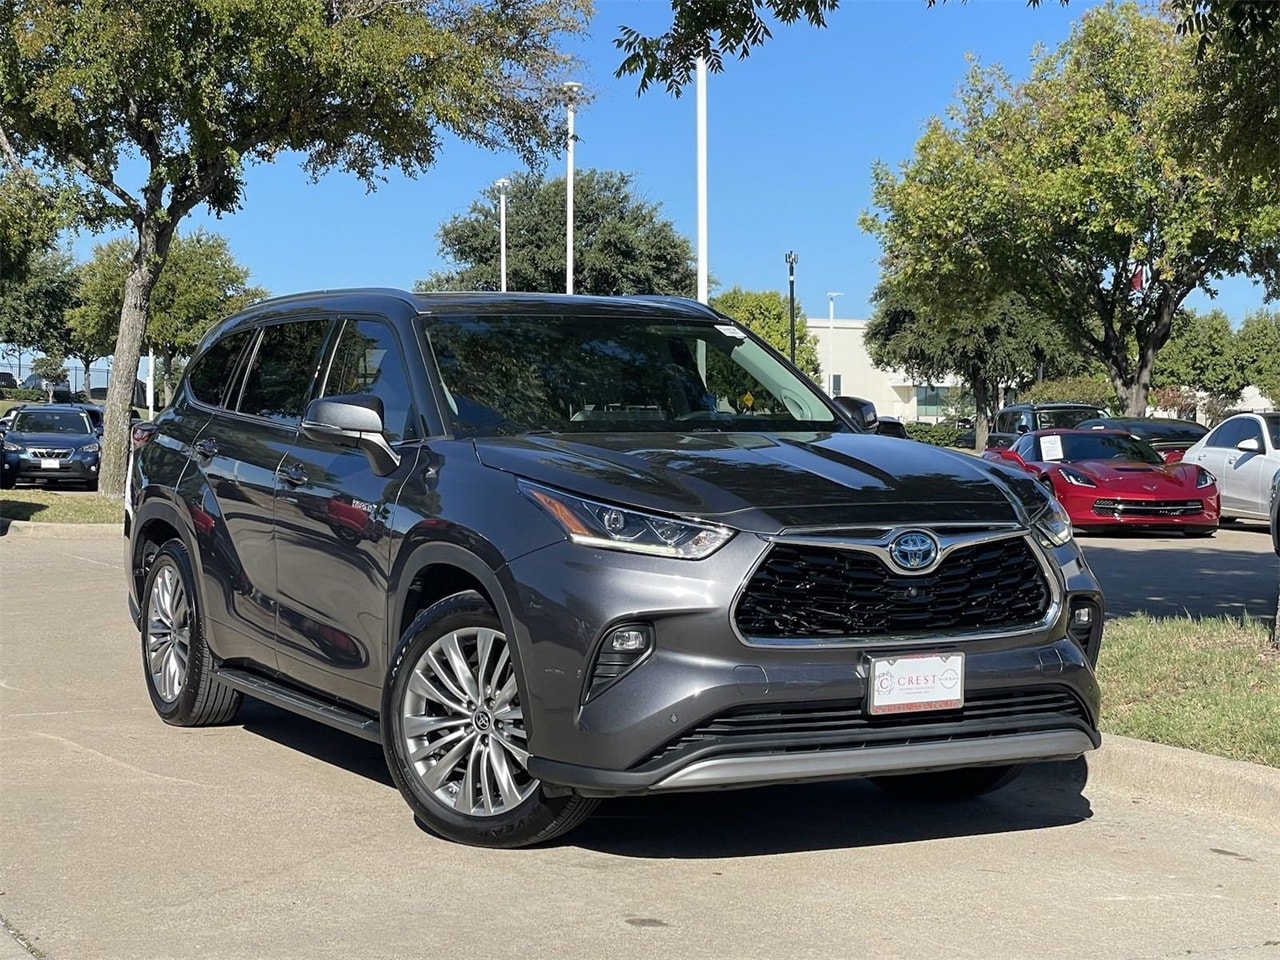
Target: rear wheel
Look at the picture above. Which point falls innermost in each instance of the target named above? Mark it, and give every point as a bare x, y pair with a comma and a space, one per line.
455, 736
948, 784
175, 659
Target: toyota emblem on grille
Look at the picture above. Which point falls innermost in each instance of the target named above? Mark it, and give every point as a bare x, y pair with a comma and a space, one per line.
913, 550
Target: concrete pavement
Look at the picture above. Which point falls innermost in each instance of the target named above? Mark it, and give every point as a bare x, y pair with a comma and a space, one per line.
275, 837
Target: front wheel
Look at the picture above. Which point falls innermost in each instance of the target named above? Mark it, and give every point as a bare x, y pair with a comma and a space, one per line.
1199, 531
947, 785
455, 737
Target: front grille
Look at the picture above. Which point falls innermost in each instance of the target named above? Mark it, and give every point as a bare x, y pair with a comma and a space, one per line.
51, 454
844, 725
814, 592
1147, 508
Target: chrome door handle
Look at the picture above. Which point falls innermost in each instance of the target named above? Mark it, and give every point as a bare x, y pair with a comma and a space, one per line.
294, 475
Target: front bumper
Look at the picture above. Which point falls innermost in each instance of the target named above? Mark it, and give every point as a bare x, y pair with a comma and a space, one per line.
81, 467
705, 710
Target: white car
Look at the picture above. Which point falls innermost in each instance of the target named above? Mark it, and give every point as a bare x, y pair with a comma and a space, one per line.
1243, 453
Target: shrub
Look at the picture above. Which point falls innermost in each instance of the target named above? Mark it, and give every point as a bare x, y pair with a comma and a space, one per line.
1093, 390
27, 396
936, 434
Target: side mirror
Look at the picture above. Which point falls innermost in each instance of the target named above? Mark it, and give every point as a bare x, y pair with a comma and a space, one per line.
862, 413
1021, 429
1249, 446
1012, 457
352, 421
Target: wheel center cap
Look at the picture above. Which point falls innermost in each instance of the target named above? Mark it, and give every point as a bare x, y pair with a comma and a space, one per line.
482, 720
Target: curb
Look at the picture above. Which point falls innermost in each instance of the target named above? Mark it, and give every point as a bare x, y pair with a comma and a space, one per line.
61, 531
1156, 772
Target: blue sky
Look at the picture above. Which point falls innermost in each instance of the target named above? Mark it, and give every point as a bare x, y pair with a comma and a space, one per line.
792, 132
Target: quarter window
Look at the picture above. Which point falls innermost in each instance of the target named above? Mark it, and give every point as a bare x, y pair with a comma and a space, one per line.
283, 368
368, 362
210, 375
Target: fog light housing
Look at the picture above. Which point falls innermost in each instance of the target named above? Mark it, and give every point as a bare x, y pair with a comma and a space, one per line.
1085, 628
620, 650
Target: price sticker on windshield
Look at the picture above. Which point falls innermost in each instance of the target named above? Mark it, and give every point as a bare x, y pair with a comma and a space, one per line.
1051, 447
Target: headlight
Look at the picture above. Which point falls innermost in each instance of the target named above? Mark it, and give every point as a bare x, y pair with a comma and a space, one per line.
1075, 477
13, 448
90, 448
615, 528
1053, 525
1204, 478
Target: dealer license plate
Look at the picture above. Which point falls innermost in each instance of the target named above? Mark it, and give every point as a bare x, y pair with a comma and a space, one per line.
50, 464
912, 683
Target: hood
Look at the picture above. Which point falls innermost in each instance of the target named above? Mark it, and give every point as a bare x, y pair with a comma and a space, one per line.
1148, 478
55, 441
769, 483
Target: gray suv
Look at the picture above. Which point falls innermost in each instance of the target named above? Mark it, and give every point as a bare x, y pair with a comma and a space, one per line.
548, 549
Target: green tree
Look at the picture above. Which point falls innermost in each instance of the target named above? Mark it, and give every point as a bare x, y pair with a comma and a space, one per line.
1005, 344
199, 89
1258, 349
51, 369
1086, 388
1202, 356
33, 303
765, 313
200, 284
622, 244
1071, 186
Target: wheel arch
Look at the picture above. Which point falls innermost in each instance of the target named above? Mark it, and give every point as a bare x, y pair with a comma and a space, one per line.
157, 521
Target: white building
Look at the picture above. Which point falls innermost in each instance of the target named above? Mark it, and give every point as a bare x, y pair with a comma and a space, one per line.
847, 371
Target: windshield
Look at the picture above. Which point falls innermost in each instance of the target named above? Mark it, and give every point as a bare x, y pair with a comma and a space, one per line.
1074, 447
1066, 418
517, 374
51, 421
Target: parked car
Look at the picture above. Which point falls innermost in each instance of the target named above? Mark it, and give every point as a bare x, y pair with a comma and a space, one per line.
1275, 512
61, 389
1013, 421
1243, 452
612, 546
8, 381
6, 419
1109, 478
1170, 437
51, 442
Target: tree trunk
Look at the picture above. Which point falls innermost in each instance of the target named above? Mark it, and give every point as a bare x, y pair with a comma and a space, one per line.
982, 411
154, 236
168, 375
85, 385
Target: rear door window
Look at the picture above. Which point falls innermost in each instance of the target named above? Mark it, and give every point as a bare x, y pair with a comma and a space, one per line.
211, 374
279, 378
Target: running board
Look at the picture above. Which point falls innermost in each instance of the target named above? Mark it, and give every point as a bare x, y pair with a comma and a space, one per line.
304, 704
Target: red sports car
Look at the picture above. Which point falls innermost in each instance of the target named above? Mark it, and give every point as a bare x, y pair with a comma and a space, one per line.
1108, 478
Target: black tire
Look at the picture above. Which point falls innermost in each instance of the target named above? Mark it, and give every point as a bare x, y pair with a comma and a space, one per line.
1223, 520
1199, 532
91, 486
534, 819
7, 481
200, 700
948, 785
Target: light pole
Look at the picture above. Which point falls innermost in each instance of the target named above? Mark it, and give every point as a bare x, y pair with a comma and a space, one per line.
701, 122
502, 233
792, 260
571, 89
831, 342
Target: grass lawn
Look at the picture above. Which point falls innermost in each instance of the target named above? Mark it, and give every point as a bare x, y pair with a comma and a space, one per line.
42, 505
1209, 685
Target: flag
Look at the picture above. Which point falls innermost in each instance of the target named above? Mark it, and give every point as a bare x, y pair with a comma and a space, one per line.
1138, 280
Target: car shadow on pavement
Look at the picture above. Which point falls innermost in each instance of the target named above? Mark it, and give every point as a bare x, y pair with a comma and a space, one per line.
825, 816
324, 743
1189, 579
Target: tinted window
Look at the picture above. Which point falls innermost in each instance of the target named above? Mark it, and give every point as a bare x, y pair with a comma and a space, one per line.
1006, 423
210, 375
1073, 447
511, 374
1273, 428
1065, 418
1024, 447
1225, 435
368, 361
52, 421
283, 368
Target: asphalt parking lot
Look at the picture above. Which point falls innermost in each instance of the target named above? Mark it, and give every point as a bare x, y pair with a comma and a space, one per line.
274, 837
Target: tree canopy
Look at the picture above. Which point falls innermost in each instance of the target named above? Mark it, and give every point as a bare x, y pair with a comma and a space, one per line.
1083, 190
199, 89
1258, 351
765, 313
34, 301
622, 243
1202, 356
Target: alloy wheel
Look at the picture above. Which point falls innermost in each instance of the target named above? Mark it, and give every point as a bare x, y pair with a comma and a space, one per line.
463, 726
168, 633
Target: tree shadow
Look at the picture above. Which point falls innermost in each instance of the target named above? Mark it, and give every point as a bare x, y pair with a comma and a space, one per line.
1172, 577
14, 509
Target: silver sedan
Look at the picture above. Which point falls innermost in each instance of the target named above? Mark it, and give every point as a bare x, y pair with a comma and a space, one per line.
1243, 453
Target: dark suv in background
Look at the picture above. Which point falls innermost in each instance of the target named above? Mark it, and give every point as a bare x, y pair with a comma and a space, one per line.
1019, 418
547, 549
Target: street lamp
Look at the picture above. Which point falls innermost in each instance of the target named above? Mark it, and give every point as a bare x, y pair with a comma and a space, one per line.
792, 260
831, 342
502, 233
571, 89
